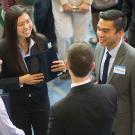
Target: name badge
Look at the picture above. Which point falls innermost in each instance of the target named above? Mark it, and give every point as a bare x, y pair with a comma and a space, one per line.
119, 70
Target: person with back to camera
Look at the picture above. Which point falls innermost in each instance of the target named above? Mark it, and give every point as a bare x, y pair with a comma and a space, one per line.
88, 109
28, 93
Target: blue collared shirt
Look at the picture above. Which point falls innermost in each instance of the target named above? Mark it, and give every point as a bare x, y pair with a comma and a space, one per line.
113, 54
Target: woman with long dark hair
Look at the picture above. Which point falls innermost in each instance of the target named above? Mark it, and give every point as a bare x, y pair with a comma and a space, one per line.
28, 93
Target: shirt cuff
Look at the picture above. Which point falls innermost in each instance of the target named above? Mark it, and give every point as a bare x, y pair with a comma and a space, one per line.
63, 2
21, 85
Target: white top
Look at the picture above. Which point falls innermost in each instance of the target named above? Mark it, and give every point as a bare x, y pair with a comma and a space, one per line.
113, 54
75, 2
31, 44
6, 126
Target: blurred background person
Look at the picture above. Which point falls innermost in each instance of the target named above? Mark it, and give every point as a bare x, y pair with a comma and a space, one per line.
6, 4
71, 20
129, 11
44, 20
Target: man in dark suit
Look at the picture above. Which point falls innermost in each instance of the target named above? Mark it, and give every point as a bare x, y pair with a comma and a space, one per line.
121, 70
88, 109
44, 20
129, 11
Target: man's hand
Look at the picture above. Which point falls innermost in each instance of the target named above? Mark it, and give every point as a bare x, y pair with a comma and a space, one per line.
31, 79
58, 65
84, 7
67, 8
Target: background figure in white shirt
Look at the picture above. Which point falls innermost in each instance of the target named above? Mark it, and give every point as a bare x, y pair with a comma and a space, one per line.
6, 126
70, 25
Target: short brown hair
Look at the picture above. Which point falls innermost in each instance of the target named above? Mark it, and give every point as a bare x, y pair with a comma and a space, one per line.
80, 58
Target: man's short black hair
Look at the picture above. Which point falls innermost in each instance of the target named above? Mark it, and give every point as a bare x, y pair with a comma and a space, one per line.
120, 20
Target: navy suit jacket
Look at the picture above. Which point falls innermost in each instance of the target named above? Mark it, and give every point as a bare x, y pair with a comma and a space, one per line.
86, 110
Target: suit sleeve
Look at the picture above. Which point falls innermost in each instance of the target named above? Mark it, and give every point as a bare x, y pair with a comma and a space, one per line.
9, 82
127, 10
54, 126
132, 81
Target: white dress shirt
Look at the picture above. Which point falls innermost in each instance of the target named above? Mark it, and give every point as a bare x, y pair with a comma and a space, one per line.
113, 54
31, 44
80, 83
6, 126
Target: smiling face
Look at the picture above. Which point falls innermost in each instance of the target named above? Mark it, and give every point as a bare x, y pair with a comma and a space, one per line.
24, 26
107, 34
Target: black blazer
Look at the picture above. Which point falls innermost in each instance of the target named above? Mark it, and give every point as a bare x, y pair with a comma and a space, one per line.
86, 110
9, 77
129, 10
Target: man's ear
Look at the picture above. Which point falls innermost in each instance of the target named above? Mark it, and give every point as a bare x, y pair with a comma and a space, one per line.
66, 64
93, 66
121, 33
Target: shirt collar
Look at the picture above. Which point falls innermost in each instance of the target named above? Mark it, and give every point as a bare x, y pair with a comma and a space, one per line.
31, 44
114, 51
81, 83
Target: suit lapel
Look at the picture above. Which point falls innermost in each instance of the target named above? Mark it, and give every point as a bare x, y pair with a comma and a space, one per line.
34, 50
23, 64
118, 60
98, 62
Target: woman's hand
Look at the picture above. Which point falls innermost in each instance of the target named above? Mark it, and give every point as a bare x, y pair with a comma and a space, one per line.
58, 65
31, 79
